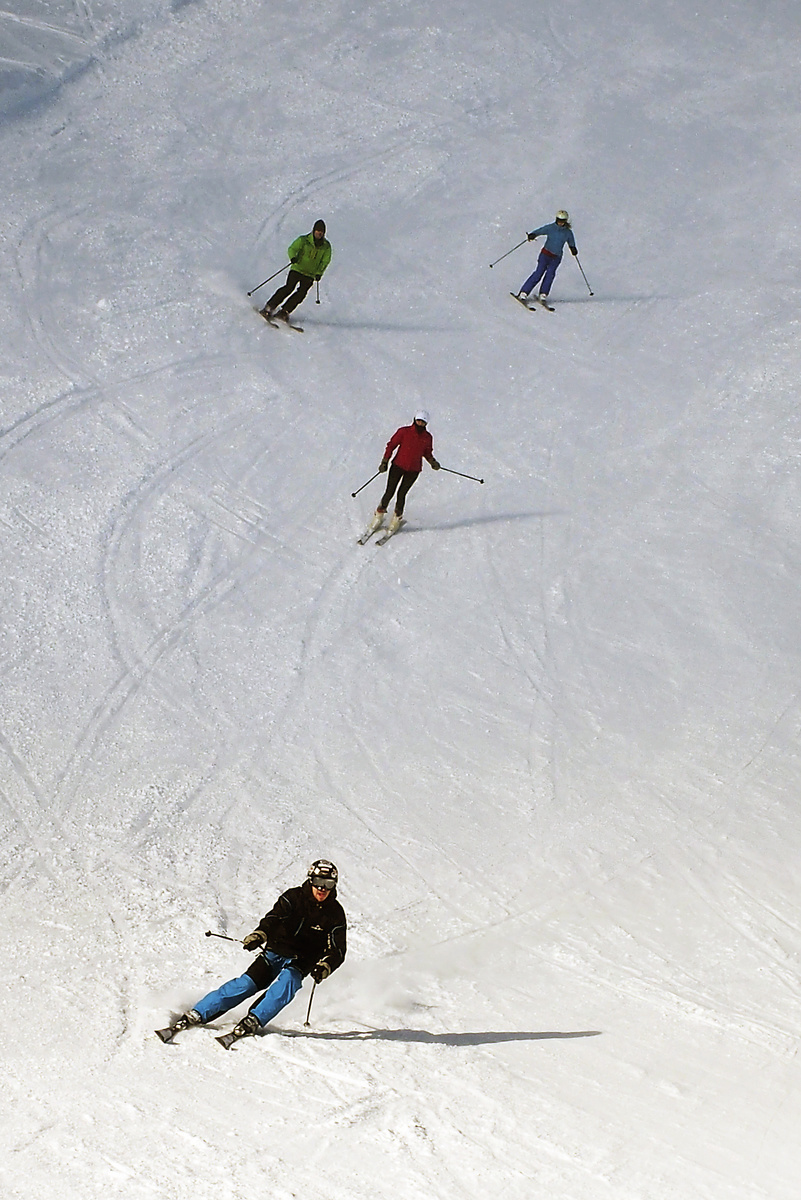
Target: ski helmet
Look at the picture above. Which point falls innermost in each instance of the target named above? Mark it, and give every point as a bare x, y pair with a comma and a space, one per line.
563, 216
323, 874
422, 415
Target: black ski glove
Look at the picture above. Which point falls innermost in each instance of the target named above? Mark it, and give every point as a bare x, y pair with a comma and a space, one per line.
317, 278
320, 971
434, 465
574, 250
531, 236
382, 466
293, 260
254, 940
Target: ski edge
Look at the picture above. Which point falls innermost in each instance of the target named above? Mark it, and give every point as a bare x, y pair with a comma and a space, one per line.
368, 533
390, 533
279, 324
227, 1040
525, 304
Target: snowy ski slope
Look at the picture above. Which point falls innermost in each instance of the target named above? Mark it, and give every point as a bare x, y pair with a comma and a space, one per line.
549, 733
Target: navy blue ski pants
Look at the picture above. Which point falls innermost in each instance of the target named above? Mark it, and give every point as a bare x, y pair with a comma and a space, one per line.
546, 269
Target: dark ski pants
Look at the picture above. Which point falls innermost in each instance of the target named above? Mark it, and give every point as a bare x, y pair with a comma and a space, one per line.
546, 269
405, 479
293, 280
270, 971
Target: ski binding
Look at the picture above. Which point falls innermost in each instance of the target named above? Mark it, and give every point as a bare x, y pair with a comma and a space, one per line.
280, 324
391, 532
527, 306
369, 531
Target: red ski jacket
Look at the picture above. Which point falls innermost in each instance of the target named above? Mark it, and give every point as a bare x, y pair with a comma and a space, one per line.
413, 445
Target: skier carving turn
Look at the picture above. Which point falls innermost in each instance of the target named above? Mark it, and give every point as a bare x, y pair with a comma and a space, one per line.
304, 933
558, 234
309, 256
410, 444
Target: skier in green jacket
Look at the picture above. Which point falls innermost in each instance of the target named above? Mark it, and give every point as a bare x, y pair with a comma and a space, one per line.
309, 255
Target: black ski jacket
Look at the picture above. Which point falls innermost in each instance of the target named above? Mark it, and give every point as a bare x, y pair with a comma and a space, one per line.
299, 927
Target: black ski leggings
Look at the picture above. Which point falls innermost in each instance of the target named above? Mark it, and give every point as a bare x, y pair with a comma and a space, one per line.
293, 280
405, 479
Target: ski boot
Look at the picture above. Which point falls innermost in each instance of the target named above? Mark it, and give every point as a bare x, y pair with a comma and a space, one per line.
183, 1022
247, 1026
375, 524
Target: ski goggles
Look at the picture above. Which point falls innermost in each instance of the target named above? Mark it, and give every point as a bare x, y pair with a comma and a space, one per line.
326, 885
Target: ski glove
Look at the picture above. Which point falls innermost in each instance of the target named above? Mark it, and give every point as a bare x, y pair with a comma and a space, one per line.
294, 260
573, 250
320, 971
434, 465
254, 940
317, 278
531, 236
383, 465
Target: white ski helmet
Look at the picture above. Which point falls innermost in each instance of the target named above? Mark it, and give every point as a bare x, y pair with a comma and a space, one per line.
323, 874
562, 216
422, 415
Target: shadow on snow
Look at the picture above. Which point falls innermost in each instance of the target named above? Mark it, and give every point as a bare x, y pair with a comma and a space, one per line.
488, 520
440, 1039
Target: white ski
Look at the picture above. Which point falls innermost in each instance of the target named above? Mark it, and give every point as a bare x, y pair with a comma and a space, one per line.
391, 532
372, 528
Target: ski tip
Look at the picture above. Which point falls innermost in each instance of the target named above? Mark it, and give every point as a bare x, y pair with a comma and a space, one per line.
278, 324
390, 533
166, 1035
226, 1040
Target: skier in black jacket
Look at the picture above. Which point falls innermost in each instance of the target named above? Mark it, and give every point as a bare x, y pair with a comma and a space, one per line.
304, 933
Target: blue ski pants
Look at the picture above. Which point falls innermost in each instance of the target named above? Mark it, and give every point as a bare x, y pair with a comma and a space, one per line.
546, 269
286, 982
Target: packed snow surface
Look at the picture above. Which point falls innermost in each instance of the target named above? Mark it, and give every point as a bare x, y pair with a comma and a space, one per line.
549, 733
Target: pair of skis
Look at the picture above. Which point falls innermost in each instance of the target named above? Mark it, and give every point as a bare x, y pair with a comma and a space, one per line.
389, 532
226, 1040
279, 324
525, 302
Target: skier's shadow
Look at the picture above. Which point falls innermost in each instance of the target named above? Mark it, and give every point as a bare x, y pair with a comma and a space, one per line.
376, 326
596, 299
440, 1039
488, 520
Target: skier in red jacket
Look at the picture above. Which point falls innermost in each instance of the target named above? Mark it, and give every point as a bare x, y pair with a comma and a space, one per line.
412, 444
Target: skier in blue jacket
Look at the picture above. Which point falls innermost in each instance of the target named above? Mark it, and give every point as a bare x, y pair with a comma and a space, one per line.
557, 235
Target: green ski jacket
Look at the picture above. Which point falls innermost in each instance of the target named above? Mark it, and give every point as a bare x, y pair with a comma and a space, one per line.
309, 258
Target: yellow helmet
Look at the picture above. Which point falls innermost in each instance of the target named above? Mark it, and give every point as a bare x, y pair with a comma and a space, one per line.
562, 215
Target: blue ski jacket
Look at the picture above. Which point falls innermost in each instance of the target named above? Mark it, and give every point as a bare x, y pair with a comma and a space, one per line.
555, 237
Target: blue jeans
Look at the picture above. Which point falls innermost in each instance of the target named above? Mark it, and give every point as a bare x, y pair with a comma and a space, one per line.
546, 269
286, 982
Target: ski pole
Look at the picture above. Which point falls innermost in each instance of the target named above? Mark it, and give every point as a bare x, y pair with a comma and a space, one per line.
450, 472
364, 485
589, 289
269, 277
318, 290
224, 936
308, 1012
508, 252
